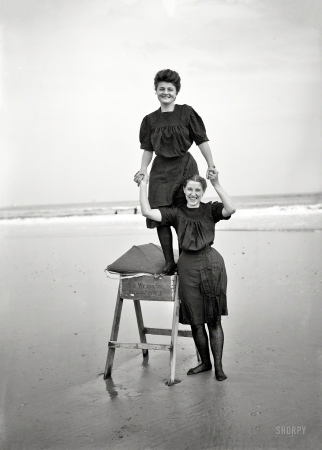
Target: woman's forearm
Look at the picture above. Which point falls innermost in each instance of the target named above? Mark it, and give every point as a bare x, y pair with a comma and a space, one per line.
146, 159
229, 206
146, 210
144, 202
206, 152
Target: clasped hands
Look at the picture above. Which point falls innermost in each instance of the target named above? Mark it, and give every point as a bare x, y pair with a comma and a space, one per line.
211, 170
211, 174
140, 175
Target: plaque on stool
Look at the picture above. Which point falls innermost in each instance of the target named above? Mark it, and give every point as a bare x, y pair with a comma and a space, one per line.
148, 288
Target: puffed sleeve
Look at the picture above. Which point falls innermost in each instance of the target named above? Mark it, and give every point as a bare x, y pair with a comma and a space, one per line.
169, 216
145, 135
217, 208
197, 128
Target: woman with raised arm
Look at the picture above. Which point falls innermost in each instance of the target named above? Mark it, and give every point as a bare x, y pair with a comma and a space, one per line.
201, 269
169, 132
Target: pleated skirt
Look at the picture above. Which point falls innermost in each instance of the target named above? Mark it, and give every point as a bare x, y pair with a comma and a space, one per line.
202, 286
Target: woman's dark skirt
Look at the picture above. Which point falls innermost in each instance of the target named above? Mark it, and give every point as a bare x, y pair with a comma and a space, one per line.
165, 184
202, 286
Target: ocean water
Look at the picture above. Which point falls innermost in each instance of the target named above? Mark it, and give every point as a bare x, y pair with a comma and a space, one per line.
259, 204
262, 213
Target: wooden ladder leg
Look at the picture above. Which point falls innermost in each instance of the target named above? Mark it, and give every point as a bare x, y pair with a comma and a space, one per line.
139, 318
174, 335
114, 334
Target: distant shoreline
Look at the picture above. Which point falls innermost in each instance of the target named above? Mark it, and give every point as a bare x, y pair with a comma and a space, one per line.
275, 204
276, 218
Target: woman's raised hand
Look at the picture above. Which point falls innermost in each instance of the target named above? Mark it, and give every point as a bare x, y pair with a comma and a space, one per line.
144, 179
213, 177
211, 169
140, 174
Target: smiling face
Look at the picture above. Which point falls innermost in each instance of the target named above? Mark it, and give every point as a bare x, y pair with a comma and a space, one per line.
194, 193
166, 93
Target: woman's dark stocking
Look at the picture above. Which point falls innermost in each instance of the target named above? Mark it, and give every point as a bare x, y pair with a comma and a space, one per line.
165, 238
200, 337
216, 335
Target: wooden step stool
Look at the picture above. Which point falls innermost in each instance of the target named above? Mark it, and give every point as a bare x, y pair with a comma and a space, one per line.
144, 287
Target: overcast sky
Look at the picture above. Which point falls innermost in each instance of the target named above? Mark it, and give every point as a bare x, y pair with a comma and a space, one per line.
77, 80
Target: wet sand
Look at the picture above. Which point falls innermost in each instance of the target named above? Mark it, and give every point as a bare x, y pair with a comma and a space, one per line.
57, 307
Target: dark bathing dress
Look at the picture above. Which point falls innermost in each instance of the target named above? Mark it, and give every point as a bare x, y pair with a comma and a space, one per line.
170, 135
201, 269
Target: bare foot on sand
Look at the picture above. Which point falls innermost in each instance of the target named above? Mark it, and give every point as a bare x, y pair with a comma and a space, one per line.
201, 368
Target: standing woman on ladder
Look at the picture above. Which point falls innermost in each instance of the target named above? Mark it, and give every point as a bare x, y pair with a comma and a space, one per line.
169, 132
201, 269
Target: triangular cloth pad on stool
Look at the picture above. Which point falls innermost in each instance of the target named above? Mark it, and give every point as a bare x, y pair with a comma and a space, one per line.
146, 258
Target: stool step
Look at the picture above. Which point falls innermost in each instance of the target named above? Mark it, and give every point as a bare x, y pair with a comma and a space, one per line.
166, 332
141, 345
